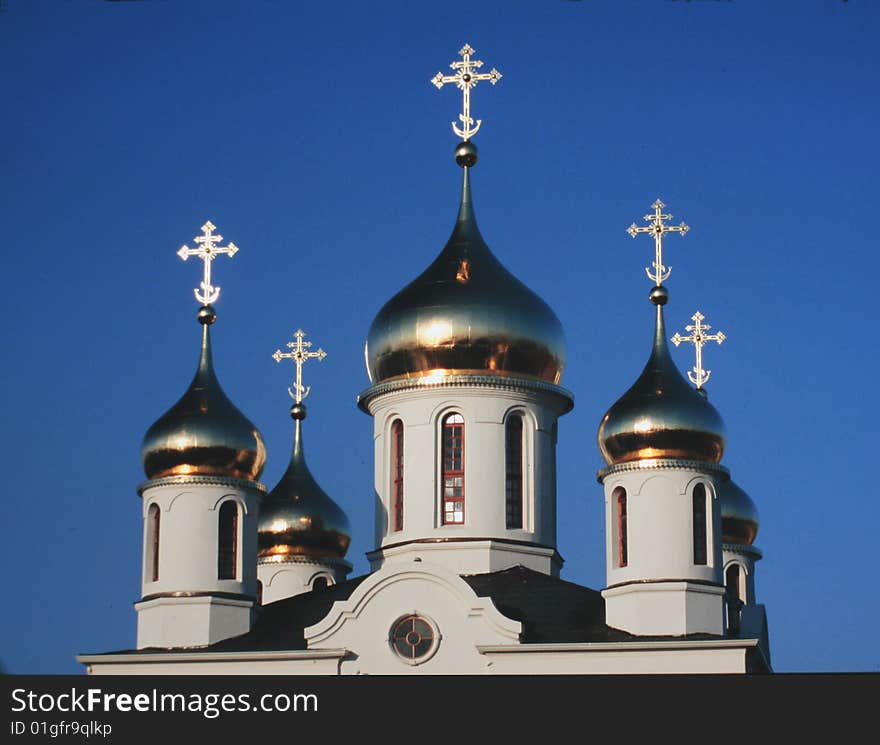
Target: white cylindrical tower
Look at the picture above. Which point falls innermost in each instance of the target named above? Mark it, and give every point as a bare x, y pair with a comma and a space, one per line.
662, 442
303, 534
739, 526
465, 364
202, 459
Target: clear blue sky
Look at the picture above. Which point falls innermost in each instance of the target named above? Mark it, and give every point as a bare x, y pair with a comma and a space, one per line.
310, 135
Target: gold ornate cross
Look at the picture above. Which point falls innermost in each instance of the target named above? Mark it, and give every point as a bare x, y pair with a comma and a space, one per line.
466, 78
657, 229
698, 338
300, 355
207, 251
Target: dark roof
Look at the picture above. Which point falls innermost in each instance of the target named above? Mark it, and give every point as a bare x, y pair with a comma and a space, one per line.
550, 609
280, 625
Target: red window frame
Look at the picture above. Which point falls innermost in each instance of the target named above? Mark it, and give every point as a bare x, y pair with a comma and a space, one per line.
622, 543
452, 476
397, 474
153, 522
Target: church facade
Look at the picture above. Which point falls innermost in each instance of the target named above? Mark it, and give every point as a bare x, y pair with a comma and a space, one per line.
465, 366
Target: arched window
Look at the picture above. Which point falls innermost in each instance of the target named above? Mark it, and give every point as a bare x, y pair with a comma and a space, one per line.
227, 541
320, 583
513, 471
152, 563
453, 469
700, 536
734, 598
397, 474
620, 526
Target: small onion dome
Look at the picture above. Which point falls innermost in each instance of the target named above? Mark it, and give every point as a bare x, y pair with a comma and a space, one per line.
465, 314
204, 434
739, 515
297, 518
661, 416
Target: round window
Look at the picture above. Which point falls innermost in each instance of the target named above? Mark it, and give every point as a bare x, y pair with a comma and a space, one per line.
414, 639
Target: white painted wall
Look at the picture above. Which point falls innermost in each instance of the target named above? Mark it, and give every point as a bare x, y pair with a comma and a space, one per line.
661, 590
364, 622
626, 658
484, 409
184, 614
284, 579
745, 557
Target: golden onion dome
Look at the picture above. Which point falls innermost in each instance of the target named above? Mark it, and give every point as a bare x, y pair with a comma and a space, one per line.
204, 434
739, 515
465, 314
297, 518
661, 416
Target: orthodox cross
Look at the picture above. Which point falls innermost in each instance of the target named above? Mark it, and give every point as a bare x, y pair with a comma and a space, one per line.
466, 78
698, 338
657, 229
300, 355
207, 251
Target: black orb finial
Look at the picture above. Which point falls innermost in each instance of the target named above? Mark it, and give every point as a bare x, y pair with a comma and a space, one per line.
207, 315
298, 412
466, 154
659, 295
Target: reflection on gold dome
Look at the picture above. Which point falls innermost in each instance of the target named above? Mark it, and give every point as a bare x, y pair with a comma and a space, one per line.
739, 515
465, 314
297, 518
203, 434
661, 416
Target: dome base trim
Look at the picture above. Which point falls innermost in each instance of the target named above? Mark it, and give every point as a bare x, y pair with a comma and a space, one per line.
275, 559
191, 480
468, 539
700, 582
739, 548
199, 594
662, 463
447, 380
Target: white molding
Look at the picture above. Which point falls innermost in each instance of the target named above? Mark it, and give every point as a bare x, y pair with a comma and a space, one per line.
634, 646
188, 656
344, 611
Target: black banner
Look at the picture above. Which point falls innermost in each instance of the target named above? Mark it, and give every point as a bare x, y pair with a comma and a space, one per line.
111, 709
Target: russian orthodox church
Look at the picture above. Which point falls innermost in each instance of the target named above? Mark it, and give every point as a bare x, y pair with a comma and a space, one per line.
465, 365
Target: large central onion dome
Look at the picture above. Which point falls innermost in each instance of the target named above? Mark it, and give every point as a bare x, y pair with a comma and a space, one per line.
465, 314
204, 434
739, 515
297, 518
661, 416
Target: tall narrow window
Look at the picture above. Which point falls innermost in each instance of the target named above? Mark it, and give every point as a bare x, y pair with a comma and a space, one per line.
513, 487
622, 538
152, 563
734, 599
700, 524
453, 470
397, 474
227, 541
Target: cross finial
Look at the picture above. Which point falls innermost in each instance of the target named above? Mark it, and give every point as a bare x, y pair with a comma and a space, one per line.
465, 78
698, 338
300, 355
207, 251
657, 229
